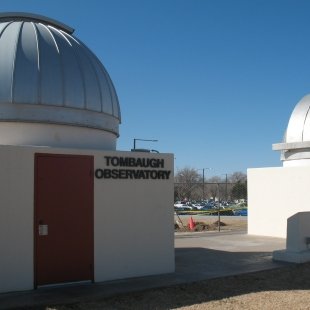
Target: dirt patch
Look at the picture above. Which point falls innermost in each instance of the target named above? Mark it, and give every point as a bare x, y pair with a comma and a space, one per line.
184, 226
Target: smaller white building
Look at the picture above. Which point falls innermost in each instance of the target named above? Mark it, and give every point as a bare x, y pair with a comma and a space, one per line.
276, 194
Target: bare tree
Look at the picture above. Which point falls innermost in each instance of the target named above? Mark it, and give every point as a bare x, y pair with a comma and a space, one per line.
213, 186
239, 191
237, 177
238, 188
187, 184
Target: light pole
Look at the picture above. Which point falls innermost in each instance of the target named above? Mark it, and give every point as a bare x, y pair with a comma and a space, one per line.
226, 183
218, 210
226, 187
203, 181
135, 139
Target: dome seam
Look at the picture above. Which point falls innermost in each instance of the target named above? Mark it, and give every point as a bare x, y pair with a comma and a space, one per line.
97, 80
80, 70
111, 91
303, 126
8, 23
105, 76
86, 53
60, 60
17, 39
38, 63
63, 82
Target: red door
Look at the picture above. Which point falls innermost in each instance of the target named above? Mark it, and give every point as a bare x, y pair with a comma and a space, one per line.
64, 229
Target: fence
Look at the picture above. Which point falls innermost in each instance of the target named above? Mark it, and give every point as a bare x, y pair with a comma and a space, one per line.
225, 191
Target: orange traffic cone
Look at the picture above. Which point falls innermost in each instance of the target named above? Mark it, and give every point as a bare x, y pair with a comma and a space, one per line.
191, 224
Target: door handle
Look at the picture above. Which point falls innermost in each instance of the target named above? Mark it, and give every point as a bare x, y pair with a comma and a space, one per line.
43, 229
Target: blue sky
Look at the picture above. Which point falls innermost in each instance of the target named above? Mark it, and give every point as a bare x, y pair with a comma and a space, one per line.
214, 81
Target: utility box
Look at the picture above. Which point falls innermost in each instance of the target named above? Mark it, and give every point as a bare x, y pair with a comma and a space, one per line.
297, 240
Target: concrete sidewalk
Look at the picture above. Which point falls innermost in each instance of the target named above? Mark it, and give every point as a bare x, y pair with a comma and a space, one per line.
199, 256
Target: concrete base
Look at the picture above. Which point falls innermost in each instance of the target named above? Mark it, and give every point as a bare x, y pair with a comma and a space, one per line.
291, 257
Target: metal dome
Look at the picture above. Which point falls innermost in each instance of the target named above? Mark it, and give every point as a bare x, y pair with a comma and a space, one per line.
296, 142
49, 76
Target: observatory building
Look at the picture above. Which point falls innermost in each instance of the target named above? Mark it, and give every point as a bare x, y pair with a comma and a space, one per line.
73, 208
279, 195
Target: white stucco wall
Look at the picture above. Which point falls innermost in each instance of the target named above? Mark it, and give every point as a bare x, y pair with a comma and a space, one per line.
16, 219
133, 227
274, 195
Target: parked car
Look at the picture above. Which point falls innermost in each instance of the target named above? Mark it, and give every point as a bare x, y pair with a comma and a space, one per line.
242, 212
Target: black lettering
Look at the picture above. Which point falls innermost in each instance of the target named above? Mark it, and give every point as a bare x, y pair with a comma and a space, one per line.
115, 174
107, 158
154, 175
129, 174
160, 163
132, 174
141, 174
135, 174
124, 161
160, 174
146, 174
153, 163
167, 174
99, 173
115, 161
107, 173
122, 174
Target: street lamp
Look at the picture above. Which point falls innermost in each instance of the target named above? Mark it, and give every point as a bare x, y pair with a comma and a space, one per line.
135, 139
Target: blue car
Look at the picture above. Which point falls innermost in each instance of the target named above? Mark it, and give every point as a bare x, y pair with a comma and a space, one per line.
242, 212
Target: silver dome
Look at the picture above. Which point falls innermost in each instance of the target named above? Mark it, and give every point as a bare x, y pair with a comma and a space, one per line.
49, 76
296, 141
